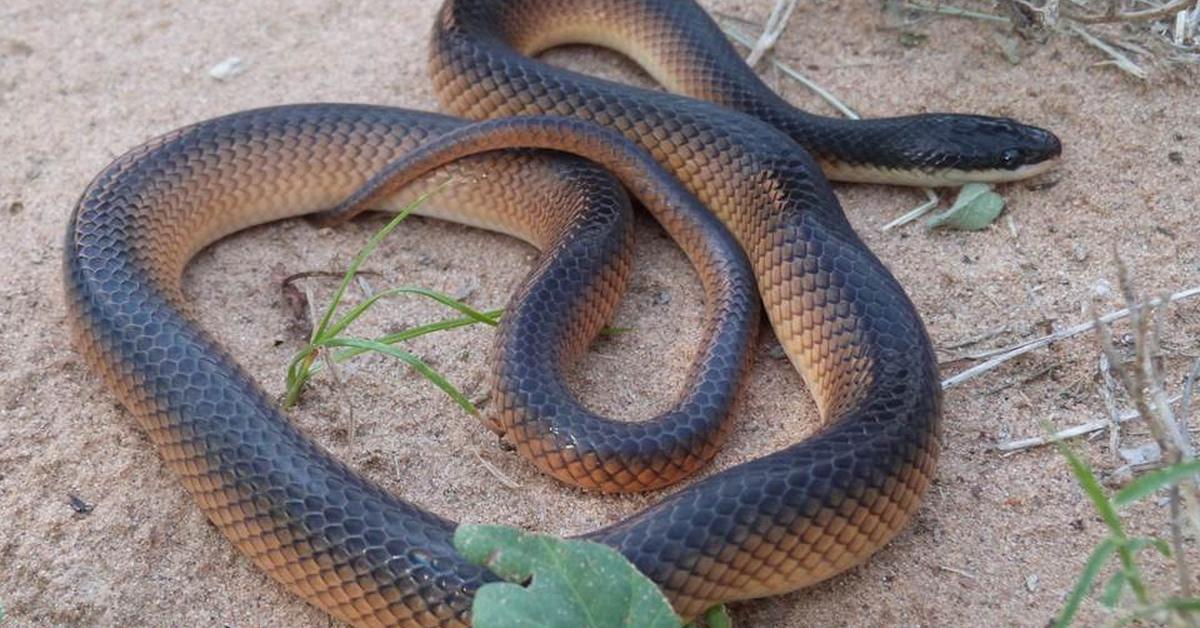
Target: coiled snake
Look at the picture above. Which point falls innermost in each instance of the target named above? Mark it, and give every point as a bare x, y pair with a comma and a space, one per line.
722, 141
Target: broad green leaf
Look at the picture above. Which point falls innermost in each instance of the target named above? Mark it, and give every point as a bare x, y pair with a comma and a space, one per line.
571, 584
976, 207
1155, 480
718, 617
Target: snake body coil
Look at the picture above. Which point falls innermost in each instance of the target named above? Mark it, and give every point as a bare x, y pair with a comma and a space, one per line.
768, 526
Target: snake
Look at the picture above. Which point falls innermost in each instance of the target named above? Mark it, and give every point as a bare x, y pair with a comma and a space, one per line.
735, 174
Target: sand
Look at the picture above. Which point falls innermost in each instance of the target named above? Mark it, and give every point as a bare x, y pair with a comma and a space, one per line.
999, 539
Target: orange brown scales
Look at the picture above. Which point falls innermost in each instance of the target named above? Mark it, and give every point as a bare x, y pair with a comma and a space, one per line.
768, 526
233, 450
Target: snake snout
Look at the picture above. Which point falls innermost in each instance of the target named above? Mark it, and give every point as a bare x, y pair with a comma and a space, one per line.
1001, 143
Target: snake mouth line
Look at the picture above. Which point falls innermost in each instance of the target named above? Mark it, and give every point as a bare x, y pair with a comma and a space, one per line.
932, 178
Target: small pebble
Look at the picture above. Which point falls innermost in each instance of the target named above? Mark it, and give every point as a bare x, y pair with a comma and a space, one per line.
1142, 454
466, 292
1031, 583
227, 69
15, 207
1079, 252
662, 297
776, 352
79, 506
1175, 157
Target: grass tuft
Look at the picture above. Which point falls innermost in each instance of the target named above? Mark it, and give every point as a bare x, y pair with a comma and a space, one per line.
328, 335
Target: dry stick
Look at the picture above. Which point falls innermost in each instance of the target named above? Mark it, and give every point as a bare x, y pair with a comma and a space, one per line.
1022, 348
1186, 412
745, 40
776, 23
1112, 15
1145, 386
1120, 60
1107, 385
495, 471
1070, 432
955, 12
960, 572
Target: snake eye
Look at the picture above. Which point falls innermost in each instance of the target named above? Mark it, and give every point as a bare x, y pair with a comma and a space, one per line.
1009, 157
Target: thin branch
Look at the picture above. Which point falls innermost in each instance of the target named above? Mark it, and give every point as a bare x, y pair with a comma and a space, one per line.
1070, 432
955, 12
1022, 348
1118, 59
1112, 15
776, 23
740, 37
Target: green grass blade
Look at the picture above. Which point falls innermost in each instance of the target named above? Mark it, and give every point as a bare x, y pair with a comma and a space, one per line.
1139, 544
413, 361
299, 371
1091, 569
1113, 590
1155, 480
372, 244
1091, 486
414, 332
1108, 512
444, 299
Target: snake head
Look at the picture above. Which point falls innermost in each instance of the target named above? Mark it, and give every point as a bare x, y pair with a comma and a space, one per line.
965, 148
945, 149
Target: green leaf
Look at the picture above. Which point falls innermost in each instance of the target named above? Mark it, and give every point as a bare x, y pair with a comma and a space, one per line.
718, 617
571, 584
1095, 562
1151, 482
976, 207
1113, 590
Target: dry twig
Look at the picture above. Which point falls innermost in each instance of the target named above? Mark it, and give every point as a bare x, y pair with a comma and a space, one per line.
1024, 347
776, 23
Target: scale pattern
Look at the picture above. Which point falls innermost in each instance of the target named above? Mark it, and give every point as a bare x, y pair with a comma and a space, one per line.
771, 525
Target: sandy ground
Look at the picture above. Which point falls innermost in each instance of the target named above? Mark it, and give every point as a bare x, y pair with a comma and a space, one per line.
999, 538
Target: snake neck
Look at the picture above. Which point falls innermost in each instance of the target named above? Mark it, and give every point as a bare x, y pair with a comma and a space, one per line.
683, 49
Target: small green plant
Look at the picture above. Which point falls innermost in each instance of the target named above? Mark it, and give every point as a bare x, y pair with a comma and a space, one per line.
1125, 549
574, 583
327, 334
